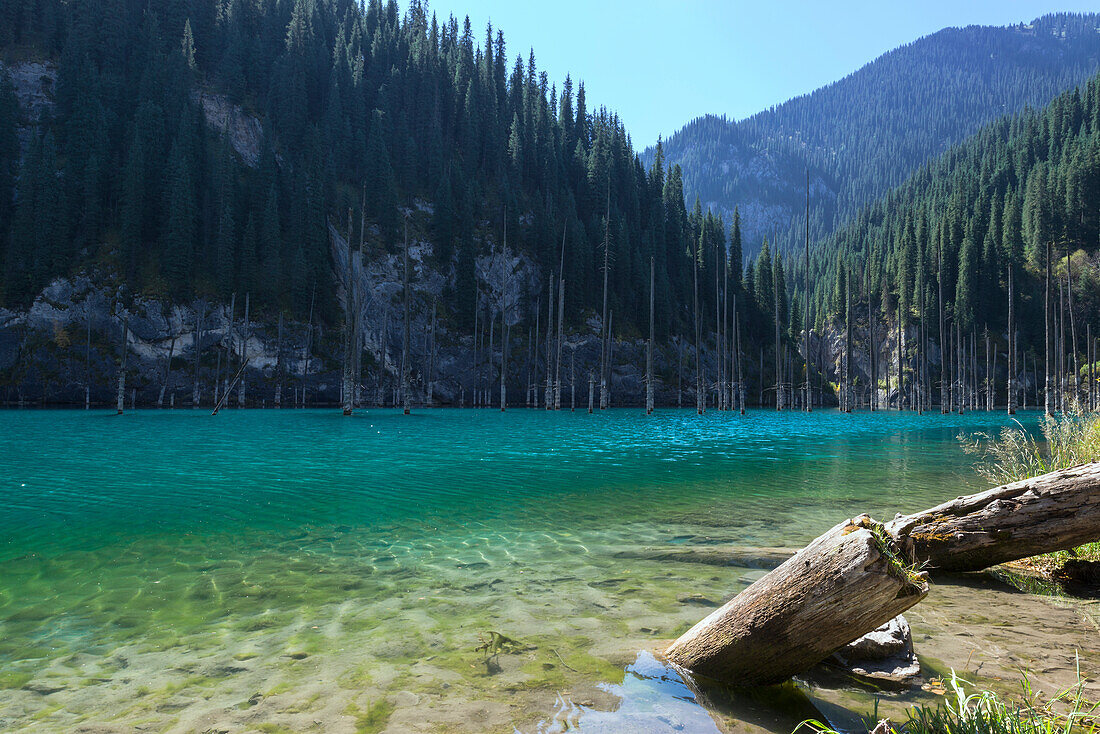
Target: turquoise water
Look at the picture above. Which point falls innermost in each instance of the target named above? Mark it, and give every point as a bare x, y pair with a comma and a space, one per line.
282, 568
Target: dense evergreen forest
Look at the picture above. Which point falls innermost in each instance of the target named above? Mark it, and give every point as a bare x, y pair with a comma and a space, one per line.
373, 123
358, 104
939, 255
866, 133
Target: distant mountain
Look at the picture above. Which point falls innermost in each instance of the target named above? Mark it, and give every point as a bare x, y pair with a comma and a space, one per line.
866, 133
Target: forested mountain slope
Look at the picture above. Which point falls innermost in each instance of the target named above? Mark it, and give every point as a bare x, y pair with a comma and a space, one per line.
182, 157
141, 163
864, 134
954, 233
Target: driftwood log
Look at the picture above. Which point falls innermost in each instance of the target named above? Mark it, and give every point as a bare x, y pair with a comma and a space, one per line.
1043, 514
846, 583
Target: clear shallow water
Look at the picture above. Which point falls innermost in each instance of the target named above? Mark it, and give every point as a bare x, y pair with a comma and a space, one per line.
284, 568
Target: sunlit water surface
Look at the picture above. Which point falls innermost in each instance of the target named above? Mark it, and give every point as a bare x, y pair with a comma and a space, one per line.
167, 570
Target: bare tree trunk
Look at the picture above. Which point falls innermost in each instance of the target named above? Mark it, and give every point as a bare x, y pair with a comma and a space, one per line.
1073, 328
591, 387
167, 374
504, 319
347, 392
1046, 338
121, 403
808, 398
405, 399
308, 346
679, 373
871, 346
431, 359
847, 402
604, 322
548, 396
775, 309
698, 333
740, 379
573, 380
717, 327
922, 344
230, 348
245, 332
560, 338
279, 365
649, 347
88, 363
1011, 381
610, 353
476, 345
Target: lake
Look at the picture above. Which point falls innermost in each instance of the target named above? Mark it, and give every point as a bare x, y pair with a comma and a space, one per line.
464, 570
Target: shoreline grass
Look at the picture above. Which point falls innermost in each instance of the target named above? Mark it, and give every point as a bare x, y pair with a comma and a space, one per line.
969, 710
1014, 453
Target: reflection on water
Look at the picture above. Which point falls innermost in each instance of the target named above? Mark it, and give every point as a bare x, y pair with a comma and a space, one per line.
653, 698
187, 573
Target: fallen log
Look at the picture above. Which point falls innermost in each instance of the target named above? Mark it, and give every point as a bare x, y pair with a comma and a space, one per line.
843, 585
1043, 514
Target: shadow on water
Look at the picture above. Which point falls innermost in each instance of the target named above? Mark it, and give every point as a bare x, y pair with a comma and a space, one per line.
657, 697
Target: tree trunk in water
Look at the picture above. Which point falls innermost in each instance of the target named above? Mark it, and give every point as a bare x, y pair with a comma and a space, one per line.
347, 392
808, 397
843, 585
1072, 328
1011, 381
308, 347
1043, 514
196, 392
698, 334
279, 365
604, 323
504, 318
1046, 338
121, 403
88, 364
405, 401
244, 348
944, 401
778, 357
649, 348
591, 386
558, 339
548, 394
230, 347
167, 374
431, 359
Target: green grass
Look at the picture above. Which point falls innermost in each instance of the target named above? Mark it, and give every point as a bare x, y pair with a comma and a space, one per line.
967, 710
1067, 440
373, 719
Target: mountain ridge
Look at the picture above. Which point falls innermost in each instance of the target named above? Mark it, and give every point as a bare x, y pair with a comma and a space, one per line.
759, 163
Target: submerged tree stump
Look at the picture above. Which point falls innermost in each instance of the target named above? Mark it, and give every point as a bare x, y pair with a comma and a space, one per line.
1043, 514
843, 585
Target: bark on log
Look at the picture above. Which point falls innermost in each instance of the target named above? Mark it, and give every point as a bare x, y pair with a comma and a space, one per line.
846, 583
1043, 514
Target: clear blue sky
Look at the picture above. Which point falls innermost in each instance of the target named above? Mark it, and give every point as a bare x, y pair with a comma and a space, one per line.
662, 63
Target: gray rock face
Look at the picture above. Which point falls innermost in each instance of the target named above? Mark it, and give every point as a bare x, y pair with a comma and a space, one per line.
883, 656
34, 84
244, 130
